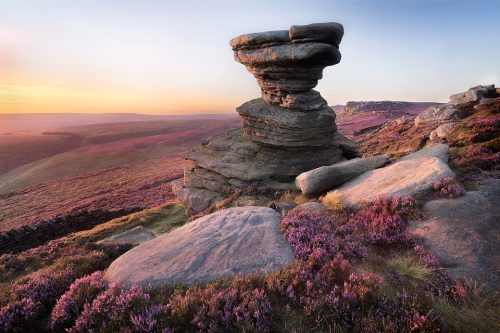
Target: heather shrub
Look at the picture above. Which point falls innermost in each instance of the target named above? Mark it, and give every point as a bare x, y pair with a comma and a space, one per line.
383, 223
241, 307
17, 315
72, 302
449, 187
120, 309
475, 158
314, 238
43, 286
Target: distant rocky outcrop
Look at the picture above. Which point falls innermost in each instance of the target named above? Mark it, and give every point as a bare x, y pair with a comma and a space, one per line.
458, 106
225, 243
288, 131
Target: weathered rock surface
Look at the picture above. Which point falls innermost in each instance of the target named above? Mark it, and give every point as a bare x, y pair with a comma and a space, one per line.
225, 243
236, 158
414, 176
195, 199
287, 69
133, 236
439, 150
327, 177
474, 94
464, 233
274, 125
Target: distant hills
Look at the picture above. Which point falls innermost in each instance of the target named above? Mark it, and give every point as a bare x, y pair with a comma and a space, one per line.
11, 122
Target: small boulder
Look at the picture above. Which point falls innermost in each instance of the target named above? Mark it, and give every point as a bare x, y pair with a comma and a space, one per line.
282, 207
225, 243
311, 206
133, 236
441, 132
327, 177
413, 175
464, 233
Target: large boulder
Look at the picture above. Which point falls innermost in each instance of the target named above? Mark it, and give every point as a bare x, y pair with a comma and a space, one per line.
194, 199
414, 176
464, 233
327, 177
225, 243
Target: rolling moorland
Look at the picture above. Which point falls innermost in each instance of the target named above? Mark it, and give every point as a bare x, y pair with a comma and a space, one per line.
399, 286
94, 167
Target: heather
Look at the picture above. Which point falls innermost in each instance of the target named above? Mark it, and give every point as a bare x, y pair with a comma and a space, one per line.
449, 187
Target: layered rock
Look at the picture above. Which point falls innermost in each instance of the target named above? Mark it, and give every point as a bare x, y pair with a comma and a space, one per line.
288, 64
286, 132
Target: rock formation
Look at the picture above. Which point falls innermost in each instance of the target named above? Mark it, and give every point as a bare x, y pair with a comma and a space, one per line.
288, 131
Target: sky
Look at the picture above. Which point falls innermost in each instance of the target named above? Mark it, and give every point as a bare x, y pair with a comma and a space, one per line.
173, 57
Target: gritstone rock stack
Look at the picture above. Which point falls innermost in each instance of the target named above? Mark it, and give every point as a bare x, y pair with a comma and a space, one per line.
288, 131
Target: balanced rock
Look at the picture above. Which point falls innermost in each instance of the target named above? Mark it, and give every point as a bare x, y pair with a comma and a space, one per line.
225, 243
288, 131
288, 64
415, 175
327, 177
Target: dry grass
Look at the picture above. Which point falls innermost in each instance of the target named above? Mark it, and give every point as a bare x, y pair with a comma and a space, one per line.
409, 268
332, 201
478, 312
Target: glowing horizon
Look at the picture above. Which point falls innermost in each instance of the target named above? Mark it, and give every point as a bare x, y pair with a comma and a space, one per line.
173, 57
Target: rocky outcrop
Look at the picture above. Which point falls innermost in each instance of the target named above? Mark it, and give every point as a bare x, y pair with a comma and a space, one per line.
463, 233
473, 95
134, 236
414, 175
457, 107
286, 132
225, 243
443, 112
327, 177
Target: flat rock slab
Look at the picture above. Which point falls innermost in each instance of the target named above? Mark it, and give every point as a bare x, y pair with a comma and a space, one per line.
225, 243
464, 233
413, 176
439, 150
133, 236
327, 177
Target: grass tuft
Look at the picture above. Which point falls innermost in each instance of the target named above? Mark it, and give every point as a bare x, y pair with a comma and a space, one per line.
332, 201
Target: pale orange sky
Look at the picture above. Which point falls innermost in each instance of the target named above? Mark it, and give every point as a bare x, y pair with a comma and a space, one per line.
173, 57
